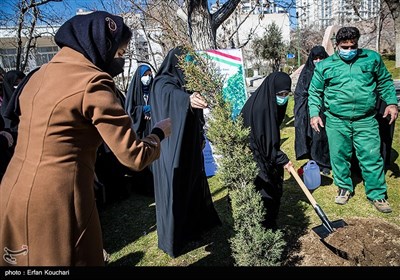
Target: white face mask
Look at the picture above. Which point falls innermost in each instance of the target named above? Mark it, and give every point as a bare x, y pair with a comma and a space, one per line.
146, 80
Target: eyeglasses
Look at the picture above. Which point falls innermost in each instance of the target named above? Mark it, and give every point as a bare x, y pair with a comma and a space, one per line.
349, 47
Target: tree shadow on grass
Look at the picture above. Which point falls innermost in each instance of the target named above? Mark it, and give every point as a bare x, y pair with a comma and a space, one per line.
216, 240
126, 221
293, 221
394, 167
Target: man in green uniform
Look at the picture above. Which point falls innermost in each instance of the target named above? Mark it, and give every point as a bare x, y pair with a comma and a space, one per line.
348, 84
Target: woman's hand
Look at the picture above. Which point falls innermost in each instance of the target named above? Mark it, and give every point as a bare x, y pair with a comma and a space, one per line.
288, 166
197, 101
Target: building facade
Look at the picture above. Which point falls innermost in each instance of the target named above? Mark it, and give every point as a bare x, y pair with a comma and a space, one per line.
45, 48
323, 13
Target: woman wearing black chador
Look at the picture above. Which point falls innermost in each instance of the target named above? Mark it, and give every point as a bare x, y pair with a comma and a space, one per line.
264, 112
309, 144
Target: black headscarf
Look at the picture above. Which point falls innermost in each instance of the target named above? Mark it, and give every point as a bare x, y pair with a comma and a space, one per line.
9, 80
96, 35
308, 70
169, 69
263, 115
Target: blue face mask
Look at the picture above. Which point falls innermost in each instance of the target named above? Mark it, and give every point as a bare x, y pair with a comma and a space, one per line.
347, 54
282, 100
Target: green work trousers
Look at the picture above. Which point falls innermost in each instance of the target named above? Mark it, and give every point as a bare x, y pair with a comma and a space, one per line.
363, 134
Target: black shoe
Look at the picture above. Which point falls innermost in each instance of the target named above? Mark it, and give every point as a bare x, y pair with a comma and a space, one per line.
326, 171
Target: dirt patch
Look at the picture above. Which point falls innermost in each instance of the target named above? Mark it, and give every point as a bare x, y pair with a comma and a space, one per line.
363, 242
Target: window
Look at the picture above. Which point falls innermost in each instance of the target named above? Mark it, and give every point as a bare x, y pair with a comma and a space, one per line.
8, 58
45, 54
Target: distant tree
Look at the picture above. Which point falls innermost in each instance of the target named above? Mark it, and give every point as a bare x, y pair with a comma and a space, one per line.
374, 29
271, 46
25, 17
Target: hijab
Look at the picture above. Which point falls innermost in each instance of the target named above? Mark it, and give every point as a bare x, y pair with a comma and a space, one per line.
264, 117
169, 72
9, 80
143, 69
96, 35
308, 70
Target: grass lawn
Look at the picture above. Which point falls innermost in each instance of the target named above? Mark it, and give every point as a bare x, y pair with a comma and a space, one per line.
390, 64
129, 226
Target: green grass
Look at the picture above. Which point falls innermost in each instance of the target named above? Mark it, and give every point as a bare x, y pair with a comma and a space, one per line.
390, 63
129, 226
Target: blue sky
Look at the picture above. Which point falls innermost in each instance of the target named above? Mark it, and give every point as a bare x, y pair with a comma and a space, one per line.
65, 8
68, 8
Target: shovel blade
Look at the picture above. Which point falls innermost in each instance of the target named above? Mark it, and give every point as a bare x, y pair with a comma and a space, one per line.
323, 232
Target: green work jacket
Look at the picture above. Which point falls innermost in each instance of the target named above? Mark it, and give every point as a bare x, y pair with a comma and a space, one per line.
349, 90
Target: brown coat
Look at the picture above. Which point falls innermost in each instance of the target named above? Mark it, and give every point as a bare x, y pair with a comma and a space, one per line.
47, 203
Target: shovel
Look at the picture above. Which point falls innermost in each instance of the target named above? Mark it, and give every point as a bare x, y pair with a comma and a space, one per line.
327, 226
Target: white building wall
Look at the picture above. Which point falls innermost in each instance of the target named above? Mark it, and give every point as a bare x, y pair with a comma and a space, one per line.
255, 25
322, 13
259, 25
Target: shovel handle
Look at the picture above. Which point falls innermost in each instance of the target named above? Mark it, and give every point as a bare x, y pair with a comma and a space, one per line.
303, 186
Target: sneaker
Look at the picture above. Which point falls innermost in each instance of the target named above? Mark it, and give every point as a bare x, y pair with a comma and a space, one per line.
382, 205
343, 196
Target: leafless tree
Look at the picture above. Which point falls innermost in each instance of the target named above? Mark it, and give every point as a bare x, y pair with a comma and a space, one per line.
24, 24
375, 29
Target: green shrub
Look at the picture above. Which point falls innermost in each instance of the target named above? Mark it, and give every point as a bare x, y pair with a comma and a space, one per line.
252, 245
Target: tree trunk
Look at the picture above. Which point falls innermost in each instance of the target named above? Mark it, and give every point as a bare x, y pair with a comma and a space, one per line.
378, 29
394, 7
203, 25
397, 32
199, 24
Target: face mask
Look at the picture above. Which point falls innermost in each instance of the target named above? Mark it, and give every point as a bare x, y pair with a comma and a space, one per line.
347, 54
316, 62
282, 100
116, 66
146, 80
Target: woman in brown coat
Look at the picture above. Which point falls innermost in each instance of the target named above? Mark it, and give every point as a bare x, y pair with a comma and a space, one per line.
66, 109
